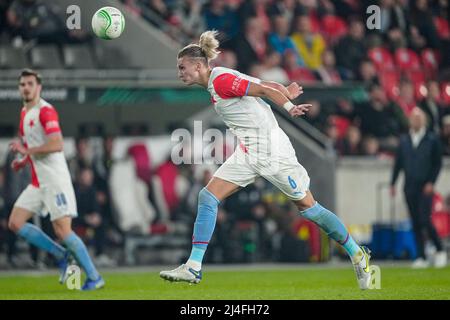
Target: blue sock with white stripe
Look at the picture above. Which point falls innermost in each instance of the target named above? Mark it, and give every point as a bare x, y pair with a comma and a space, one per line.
76, 246
203, 227
333, 226
37, 237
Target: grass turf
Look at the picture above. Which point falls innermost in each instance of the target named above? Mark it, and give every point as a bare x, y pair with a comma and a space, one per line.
283, 284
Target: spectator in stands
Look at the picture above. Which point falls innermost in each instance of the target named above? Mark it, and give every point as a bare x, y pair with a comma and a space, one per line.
296, 72
367, 73
89, 216
82, 158
433, 107
316, 116
371, 146
381, 118
422, 18
351, 50
189, 15
102, 166
406, 99
4, 5
160, 8
310, 45
346, 109
222, 17
393, 16
279, 37
41, 21
328, 73
445, 135
286, 8
246, 215
251, 46
255, 8
271, 69
350, 145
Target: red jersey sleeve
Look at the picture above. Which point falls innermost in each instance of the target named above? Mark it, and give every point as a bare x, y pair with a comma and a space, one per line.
228, 85
49, 120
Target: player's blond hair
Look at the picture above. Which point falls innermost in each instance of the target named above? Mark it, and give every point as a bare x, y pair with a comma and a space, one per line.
206, 47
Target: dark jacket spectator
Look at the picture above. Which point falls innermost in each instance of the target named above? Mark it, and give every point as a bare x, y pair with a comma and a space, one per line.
351, 50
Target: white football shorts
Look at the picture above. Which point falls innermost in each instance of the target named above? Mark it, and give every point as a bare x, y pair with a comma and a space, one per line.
286, 174
58, 201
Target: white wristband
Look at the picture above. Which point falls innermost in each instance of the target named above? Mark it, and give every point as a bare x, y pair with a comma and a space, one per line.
288, 106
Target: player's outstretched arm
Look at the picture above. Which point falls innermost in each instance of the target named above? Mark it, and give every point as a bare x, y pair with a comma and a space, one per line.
292, 91
260, 90
54, 144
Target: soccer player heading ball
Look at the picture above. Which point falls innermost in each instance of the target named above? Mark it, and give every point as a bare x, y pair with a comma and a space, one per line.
265, 150
51, 189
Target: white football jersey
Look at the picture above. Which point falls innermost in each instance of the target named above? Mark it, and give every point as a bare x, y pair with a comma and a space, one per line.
35, 126
250, 118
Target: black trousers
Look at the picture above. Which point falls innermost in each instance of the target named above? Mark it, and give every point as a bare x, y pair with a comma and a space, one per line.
419, 206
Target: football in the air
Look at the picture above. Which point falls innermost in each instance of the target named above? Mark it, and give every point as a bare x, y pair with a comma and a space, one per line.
108, 23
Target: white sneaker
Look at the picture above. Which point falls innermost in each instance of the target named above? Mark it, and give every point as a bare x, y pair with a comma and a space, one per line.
182, 273
420, 263
440, 259
362, 270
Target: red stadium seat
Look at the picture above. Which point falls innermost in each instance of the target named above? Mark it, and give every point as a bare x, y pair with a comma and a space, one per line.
430, 62
381, 58
333, 28
442, 27
406, 59
440, 217
389, 81
445, 92
418, 79
341, 125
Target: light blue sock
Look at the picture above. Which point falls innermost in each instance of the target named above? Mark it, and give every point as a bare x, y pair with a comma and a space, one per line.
37, 237
333, 226
76, 246
203, 227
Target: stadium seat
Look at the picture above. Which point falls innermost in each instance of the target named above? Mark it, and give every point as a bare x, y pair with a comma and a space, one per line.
78, 57
381, 58
442, 27
430, 62
12, 58
333, 28
406, 59
341, 124
445, 92
46, 57
389, 81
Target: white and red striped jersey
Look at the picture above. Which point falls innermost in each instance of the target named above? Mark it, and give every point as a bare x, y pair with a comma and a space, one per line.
250, 118
35, 126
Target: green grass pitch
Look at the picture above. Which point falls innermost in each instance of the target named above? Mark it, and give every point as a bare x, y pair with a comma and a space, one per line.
271, 284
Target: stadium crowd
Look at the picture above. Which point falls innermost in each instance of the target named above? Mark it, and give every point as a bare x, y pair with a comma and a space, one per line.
322, 42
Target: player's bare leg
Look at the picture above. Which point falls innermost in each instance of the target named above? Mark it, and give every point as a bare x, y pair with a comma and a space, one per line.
63, 230
18, 223
335, 229
208, 201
